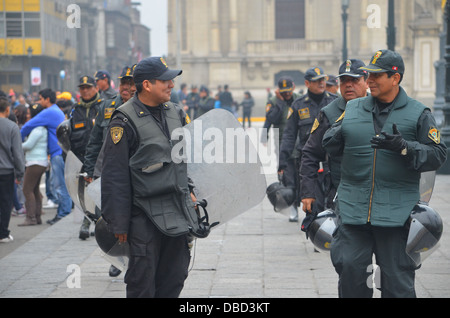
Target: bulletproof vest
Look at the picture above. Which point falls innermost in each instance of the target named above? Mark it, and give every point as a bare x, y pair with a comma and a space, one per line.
333, 112
160, 187
82, 121
376, 186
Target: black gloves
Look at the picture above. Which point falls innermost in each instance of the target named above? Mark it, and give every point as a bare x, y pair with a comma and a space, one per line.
394, 142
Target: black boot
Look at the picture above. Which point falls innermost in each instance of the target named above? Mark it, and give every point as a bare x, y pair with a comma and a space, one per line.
84, 230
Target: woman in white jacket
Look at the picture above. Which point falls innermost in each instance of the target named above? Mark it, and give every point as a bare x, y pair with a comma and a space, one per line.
36, 161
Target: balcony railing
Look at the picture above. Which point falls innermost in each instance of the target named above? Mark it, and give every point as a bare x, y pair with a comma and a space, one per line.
297, 47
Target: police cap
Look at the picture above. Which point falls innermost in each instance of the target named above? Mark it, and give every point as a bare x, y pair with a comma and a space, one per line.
315, 74
385, 61
154, 68
87, 80
102, 74
285, 84
352, 68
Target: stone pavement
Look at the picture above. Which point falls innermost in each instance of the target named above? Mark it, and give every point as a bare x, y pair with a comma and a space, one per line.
256, 255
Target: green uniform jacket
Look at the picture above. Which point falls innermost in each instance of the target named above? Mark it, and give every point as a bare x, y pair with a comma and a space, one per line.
379, 186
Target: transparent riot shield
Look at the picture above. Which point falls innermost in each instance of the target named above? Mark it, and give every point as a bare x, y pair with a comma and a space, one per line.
77, 187
224, 165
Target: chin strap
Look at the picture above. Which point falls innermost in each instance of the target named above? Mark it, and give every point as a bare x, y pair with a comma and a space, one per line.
203, 221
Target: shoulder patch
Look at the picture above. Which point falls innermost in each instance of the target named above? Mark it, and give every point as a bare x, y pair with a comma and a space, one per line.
116, 134
187, 119
341, 118
268, 106
304, 113
434, 135
315, 125
290, 112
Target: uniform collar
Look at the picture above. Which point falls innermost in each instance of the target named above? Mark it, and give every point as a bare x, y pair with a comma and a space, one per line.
400, 101
142, 109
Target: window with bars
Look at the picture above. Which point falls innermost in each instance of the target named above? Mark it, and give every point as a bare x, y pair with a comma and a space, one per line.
20, 24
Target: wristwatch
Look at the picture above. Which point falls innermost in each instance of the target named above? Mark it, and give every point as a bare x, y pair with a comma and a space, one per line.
404, 151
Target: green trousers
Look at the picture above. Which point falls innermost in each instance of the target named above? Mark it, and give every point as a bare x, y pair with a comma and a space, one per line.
352, 250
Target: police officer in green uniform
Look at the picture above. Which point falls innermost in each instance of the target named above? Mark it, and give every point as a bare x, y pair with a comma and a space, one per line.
146, 197
386, 140
300, 119
353, 84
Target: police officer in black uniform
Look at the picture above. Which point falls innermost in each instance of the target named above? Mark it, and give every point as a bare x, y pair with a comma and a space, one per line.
353, 84
82, 120
300, 119
100, 130
103, 80
146, 198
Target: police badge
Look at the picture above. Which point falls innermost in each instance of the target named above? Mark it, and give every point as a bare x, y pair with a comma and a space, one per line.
116, 134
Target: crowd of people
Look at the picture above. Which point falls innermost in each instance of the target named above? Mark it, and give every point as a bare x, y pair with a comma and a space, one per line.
198, 101
370, 148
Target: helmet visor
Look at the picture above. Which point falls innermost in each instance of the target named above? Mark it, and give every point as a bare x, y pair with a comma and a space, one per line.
324, 235
421, 242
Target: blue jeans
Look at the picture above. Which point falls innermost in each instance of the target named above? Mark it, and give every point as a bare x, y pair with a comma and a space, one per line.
59, 185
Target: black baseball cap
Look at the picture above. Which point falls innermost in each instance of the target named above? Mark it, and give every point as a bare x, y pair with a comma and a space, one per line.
127, 72
285, 84
102, 74
154, 68
315, 74
352, 68
385, 61
87, 80
332, 80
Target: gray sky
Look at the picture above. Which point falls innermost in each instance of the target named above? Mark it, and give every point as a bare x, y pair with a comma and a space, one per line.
154, 16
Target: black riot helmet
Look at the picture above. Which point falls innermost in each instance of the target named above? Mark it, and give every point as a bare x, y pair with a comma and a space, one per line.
321, 230
63, 133
280, 196
425, 230
107, 241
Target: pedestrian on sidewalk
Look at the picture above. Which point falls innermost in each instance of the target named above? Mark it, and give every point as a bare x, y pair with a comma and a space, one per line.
12, 167
50, 118
36, 162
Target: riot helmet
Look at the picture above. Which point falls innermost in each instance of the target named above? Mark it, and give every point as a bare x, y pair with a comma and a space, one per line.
115, 252
425, 230
280, 196
321, 230
63, 133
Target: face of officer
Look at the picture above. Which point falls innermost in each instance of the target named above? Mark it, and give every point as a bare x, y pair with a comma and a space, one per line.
316, 87
88, 92
353, 87
382, 87
157, 92
126, 89
103, 84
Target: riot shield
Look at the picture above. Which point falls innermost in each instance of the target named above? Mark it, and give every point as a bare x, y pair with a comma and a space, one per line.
76, 186
224, 165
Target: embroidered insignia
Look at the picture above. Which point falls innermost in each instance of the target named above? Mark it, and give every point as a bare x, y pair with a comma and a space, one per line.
317, 70
78, 125
434, 135
290, 112
341, 118
304, 113
268, 106
187, 119
108, 112
116, 134
315, 125
164, 62
348, 66
376, 57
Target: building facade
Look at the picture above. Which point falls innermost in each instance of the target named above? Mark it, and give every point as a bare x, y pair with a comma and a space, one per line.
249, 44
57, 41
